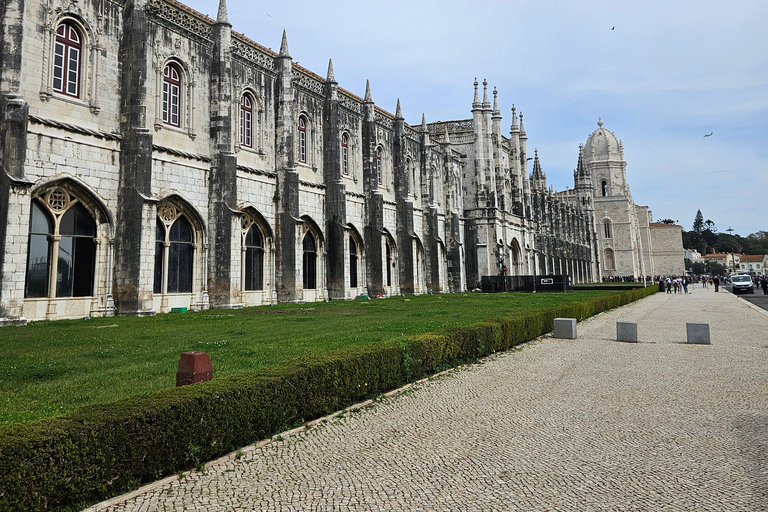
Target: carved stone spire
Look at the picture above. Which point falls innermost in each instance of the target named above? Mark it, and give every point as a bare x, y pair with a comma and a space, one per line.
495, 102
284, 46
423, 123
581, 169
398, 110
330, 78
446, 136
514, 128
476, 101
486, 103
522, 128
367, 98
538, 177
221, 17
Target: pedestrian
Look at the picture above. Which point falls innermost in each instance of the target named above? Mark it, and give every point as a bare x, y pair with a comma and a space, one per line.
685, 285
669, 285
716, 280
764, 285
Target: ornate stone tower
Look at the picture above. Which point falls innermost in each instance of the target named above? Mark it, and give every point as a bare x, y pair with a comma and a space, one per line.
616, 221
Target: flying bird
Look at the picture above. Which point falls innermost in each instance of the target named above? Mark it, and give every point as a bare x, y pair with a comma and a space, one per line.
709, 134
613, 27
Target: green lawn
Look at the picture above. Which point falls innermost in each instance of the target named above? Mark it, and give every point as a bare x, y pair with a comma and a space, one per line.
50, 368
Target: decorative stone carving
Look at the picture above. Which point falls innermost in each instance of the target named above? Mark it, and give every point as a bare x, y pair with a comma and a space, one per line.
253, 54
180, 18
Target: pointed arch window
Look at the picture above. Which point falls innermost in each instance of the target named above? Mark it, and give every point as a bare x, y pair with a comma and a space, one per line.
174, 251
389, 265
352, 263
172, 95
253, 255
246, 121
301, 146
309, 268
410, 171
610, 262
607, 229
604, 186
61, 254
67, 57
345, 154
378, 165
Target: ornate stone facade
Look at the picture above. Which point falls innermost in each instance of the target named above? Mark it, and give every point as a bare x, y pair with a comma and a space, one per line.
629, 244
155, 159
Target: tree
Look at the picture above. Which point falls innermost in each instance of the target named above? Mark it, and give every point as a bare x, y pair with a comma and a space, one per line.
714, 267
698, 267
698, 222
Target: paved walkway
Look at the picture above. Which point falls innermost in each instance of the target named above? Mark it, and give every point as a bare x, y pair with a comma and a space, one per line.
559, 425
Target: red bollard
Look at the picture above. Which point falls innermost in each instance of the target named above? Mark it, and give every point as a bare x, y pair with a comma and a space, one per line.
194, 367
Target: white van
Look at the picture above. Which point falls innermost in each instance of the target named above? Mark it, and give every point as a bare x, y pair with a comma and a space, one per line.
742, 283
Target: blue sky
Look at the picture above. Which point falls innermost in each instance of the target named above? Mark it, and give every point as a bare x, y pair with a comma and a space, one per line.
660, 74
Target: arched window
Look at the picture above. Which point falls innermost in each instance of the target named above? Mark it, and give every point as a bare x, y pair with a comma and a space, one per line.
66, 60
253, 257
610, 263
411, 172
389, 266
378, 165
301, 146
71, 240
174, 251
246, 121
309, 269
605, 188
345, 154
172, 95
352, 263
607, 228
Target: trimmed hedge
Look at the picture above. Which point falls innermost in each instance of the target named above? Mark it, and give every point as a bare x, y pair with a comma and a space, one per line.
99, 451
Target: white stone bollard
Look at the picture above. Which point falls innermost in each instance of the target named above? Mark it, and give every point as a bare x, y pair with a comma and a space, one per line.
565, 328
697, 333
626, 331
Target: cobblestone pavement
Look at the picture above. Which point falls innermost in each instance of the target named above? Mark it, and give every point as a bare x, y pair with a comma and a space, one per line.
560, 425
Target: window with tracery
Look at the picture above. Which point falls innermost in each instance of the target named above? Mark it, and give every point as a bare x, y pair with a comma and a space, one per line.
411, 172
67, 56
61, 253
352, 263
246, 121
309, 261
378, 165
301, 146
345, 154
253, 254
174, 251
607, 228
605, 188
172, 95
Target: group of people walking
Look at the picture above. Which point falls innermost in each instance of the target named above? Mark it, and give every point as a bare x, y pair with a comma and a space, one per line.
679, 284
675, 284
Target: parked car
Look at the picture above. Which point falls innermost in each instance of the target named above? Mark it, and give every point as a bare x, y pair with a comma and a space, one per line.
742, 284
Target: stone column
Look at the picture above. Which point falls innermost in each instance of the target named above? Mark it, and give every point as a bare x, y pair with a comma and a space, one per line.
224, 240
136, 215
335, 191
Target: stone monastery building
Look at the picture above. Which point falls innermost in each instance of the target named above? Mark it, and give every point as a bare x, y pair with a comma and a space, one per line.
153, 159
